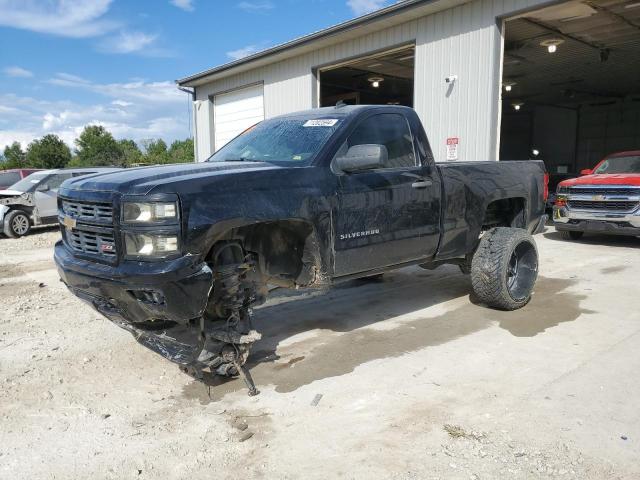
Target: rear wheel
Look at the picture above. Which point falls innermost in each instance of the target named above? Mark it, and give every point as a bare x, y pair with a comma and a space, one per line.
16, 223
571, 235
504, 268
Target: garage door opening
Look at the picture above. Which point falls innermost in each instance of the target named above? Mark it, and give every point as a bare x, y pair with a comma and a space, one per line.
235, 111
383, 79
571, 84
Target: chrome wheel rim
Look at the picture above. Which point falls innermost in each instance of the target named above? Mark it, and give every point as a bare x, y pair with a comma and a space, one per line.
20, 224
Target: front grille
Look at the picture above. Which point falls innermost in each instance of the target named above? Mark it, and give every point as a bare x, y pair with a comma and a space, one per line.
84, 211
622, 191
93, 243
605, 206
93, 233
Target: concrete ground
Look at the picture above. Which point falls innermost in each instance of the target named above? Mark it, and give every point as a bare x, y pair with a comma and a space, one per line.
415, 380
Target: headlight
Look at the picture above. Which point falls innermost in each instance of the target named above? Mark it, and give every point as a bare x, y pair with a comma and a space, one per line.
150, 246
149, 212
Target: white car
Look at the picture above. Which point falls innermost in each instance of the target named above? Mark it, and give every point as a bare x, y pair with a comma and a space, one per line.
33, 201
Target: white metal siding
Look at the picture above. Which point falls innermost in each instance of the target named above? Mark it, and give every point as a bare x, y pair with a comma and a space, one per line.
236, 111
465, 41
203, 133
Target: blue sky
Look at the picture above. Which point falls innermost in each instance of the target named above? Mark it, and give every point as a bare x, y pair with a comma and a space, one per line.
68, 63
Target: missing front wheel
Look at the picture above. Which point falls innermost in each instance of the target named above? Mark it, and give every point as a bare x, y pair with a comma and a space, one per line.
226, 328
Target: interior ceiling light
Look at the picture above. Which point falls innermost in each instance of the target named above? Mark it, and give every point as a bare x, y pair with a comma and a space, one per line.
633, 5
551, 44
407, 57
376, 81
374, 65
508, 86
517, 105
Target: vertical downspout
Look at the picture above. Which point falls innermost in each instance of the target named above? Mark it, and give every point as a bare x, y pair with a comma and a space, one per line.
194, 135
496, 114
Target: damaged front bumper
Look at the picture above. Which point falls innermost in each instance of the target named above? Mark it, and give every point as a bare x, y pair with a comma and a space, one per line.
159, 305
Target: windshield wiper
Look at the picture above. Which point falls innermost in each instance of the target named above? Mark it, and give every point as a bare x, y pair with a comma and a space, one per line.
241, 159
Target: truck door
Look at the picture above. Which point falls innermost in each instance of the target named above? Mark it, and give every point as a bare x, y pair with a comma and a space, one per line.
388, 215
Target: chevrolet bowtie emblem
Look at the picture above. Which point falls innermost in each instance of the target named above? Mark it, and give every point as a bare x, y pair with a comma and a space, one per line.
598, 197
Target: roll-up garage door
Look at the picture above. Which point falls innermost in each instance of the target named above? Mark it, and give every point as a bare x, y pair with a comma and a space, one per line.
236, 111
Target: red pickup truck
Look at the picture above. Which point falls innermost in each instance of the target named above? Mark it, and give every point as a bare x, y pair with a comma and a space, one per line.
603, 200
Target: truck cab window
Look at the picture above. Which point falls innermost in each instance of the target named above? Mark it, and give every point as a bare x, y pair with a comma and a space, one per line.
390, 130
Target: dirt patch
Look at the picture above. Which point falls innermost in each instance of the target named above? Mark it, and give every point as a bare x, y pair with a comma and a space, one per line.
9, 270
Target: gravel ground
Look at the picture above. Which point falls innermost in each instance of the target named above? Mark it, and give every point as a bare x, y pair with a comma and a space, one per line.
402, 378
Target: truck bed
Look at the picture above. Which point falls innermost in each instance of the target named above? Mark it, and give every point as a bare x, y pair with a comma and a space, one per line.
469, 187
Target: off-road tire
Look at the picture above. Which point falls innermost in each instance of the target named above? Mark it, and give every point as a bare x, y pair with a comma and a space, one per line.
571, 234
492, 275
16, 223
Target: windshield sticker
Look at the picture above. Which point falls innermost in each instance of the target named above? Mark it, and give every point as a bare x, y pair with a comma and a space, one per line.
324, 122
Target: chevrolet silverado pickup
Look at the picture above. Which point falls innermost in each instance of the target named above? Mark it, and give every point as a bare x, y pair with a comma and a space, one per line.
178, 254
604, 200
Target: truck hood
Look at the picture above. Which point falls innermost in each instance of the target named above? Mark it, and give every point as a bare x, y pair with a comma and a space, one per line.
632, 179
140, 181
10, 193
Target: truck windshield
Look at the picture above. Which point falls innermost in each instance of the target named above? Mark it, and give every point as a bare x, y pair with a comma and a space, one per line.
292, 140
29, 183
629, 164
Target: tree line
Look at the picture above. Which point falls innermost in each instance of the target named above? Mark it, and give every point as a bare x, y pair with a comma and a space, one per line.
94, 147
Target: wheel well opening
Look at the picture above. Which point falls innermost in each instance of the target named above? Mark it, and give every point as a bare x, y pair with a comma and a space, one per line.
506, 212
286, 250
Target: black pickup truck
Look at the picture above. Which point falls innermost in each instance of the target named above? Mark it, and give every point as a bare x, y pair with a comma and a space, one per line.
178, 254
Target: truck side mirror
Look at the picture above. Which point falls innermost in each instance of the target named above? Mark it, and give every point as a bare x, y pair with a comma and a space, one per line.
363, 157
586, 171
43, 188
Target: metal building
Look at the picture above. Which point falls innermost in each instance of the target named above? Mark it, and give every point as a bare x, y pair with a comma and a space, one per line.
490, 79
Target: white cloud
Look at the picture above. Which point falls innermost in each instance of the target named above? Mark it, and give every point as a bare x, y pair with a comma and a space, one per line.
257, 6
129, 42
121, 103
135, 90
17, 72
137, 110
243, 52
67, 18
71, 78
79, 19
186, 5
362, 7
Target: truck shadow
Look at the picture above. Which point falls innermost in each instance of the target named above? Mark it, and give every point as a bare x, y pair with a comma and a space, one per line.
310, 337
597, 239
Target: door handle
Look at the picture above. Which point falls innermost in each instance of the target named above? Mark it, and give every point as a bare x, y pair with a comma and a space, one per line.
422, 183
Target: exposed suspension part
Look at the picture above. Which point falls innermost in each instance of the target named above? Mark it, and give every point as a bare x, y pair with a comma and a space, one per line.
226, 330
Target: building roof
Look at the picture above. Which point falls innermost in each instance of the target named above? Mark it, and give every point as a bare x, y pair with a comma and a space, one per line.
395, 10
